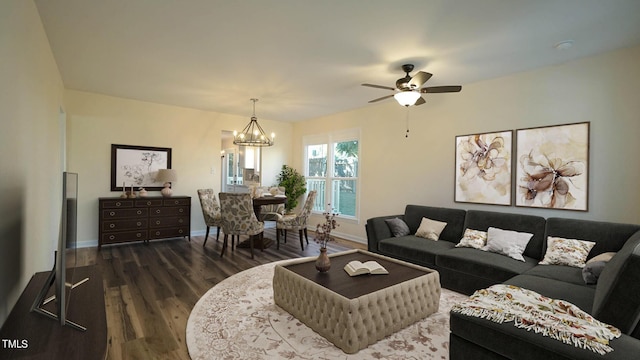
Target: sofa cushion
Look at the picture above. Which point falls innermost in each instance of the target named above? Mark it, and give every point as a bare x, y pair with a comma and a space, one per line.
453, 217
430, 229
414, 249
483, 264
563, 273
473, 239
398, 227
579, 295
568, 252
607, 236
616, 300
507, 242
482, 220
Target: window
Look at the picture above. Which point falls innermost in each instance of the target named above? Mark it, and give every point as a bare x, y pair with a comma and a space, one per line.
331, 168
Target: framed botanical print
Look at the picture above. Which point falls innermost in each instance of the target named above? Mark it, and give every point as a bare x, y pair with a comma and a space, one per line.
553, 167
483, 168
138, 166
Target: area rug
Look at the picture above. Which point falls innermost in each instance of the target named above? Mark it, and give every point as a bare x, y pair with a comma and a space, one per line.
238, 319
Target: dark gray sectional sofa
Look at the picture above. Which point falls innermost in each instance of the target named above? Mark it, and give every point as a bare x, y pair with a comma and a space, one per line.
615, 299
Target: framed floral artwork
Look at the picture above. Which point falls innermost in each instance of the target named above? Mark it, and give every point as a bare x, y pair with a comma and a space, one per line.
483, 168
553, 167
138, 166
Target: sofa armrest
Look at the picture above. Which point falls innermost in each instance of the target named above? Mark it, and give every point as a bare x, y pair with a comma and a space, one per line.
377, 229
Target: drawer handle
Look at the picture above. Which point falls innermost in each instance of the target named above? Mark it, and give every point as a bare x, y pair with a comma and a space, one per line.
181, 210
139, 223
180, 221
139, 212
118, 203
148, 203
138, 235
112, 237
176, 202
158, 211
180, 231
112, 213
157, 232
157, 222
112, 225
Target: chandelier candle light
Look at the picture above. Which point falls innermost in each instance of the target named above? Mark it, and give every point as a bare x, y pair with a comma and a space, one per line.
252, 134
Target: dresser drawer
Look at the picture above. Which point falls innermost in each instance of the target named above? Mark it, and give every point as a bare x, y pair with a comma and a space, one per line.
177, 202
169, 211
168, 232
116, 204
158, 222
124, 236
124, 213
148, 202
129, 224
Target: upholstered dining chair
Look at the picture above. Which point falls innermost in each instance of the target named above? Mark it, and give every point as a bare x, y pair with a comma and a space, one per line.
296, 221
210, 211
273, 211
238, 218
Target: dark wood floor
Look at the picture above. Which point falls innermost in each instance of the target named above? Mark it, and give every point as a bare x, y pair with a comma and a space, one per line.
151, 289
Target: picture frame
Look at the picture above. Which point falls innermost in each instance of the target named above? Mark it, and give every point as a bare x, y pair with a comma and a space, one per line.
552, 167
137, 166
483, 168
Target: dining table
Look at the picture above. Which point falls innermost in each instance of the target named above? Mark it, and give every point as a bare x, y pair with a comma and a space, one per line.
258, 202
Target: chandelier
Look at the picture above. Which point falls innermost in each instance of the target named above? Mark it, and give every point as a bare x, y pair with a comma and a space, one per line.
252, 134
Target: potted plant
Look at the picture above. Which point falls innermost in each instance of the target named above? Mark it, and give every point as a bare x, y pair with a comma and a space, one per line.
294, 184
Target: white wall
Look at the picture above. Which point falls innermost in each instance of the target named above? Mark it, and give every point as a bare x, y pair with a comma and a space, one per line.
396, 171
31, 95
97, 121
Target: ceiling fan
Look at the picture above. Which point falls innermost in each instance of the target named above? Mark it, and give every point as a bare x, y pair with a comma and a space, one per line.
408, 89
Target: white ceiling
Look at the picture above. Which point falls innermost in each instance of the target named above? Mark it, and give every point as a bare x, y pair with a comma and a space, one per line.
307, 58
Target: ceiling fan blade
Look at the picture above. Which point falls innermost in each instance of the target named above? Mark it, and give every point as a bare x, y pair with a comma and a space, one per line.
420, 101
379, 86
441, 89
419, 79
381, 98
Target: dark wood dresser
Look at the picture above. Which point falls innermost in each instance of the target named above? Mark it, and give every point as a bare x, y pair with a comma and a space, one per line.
143, 219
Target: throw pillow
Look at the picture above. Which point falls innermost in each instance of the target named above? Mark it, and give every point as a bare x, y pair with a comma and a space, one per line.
568, 252
592, 270
473, 238
430, 229
398, 227
507, 242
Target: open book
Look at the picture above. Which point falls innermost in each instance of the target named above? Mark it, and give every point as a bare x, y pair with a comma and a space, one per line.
356, 267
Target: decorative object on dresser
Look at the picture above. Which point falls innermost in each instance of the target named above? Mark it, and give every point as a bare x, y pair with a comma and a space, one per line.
138, 166
167, 176
154, 217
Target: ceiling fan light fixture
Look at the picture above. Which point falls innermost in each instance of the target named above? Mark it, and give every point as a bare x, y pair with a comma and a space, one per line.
407, 97
252, 134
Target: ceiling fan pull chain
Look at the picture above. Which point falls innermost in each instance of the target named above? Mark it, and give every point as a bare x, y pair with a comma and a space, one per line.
406, 135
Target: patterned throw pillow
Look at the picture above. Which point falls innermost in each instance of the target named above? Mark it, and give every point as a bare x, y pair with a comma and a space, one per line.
507, 242
430, 229
398, 227
473, 238
568, 252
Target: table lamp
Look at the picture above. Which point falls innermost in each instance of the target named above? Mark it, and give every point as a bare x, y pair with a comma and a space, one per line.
166, 176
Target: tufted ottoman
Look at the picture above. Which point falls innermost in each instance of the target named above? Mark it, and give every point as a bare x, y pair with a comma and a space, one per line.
355, 312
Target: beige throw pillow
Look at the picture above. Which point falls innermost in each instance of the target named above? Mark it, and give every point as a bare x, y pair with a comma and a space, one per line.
430, 229
507, 242
473, 238
568, 252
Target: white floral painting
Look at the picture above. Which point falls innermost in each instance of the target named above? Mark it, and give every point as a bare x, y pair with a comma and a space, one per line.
483, 168
552, 167
137, 166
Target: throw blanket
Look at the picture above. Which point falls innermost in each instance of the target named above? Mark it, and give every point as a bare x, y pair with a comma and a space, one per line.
529, 310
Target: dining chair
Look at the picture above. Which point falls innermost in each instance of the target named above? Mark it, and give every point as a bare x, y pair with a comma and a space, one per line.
273, 211
210, 211
238, 218
296, 221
